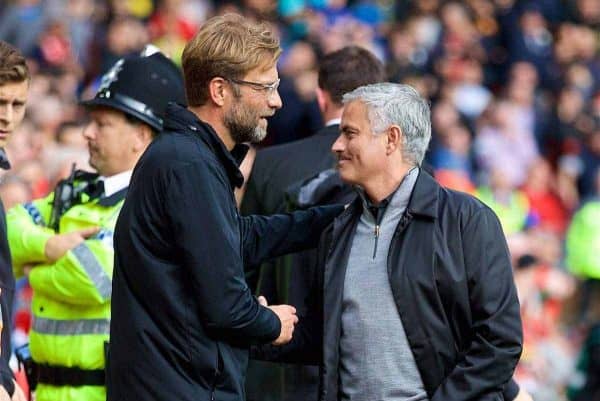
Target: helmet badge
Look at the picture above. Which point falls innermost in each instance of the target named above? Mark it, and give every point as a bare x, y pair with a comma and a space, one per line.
111, 76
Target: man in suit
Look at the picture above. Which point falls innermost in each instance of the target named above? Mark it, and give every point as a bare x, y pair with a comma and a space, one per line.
276, 171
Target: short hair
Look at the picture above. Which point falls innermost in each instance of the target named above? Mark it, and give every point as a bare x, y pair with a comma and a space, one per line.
13, 67
227, 46
346, 69
397, 104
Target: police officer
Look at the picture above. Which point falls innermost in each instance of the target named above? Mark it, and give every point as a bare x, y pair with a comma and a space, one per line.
66, 238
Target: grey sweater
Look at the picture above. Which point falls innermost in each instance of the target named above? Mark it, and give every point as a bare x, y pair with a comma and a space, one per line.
376, 362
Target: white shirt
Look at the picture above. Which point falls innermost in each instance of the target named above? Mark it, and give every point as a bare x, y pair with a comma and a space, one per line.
117, 182
333, 121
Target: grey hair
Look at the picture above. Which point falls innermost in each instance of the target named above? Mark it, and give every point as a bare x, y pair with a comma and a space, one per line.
397, 104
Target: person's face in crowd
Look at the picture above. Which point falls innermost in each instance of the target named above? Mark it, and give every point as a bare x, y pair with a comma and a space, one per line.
112, 141
258, 99
13, 96
360, 152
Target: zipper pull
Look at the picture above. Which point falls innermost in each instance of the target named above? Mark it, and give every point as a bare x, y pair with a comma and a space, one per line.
376, 238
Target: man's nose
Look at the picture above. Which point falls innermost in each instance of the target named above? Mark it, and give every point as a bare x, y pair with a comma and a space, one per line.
89, 131
275, 101
6, 113
338, 146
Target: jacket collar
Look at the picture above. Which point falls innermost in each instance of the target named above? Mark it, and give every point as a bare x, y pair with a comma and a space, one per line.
424, 198
113, 199
179, 118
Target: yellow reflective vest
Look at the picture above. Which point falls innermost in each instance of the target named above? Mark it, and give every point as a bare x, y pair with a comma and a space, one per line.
71, 297
583, 242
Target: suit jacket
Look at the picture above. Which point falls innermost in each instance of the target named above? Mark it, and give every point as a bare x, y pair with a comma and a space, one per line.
276, 169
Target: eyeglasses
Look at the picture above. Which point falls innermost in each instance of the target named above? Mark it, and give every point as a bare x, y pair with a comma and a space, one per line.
267, 89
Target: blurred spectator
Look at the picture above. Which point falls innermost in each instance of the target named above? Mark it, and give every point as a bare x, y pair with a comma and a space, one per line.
502, 143
530, 39
13, 190
585, 384
170, 28
70, 134
549, 210
33, 173
22, 23
590, 159
451, 159
124, 36
510, 205
583, 238
544, 368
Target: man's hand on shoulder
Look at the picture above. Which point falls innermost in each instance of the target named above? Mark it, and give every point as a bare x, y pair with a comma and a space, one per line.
287, 317
58, 245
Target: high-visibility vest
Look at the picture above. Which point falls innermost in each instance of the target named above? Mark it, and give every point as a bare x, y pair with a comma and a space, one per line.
71, 297
583, 241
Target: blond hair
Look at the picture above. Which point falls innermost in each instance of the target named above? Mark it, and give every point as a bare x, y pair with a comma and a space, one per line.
13, 67
227, 46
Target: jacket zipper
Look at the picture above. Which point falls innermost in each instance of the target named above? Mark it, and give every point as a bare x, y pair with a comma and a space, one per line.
378, 219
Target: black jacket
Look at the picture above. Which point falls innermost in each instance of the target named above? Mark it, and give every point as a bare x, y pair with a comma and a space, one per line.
182, 314
7, 283
451, 278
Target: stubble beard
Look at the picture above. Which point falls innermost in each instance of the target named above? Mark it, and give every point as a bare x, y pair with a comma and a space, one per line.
243, 126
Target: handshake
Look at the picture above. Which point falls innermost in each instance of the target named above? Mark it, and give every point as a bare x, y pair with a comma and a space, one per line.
287, 317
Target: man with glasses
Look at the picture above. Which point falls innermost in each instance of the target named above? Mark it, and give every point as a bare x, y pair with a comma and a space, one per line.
183, 316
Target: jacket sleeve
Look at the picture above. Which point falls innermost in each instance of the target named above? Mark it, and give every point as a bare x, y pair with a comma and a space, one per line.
306, 347
488, 362
199, 204
27, 233
83, 276
267, 237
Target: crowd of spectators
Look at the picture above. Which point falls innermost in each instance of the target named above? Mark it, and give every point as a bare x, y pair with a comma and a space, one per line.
514, 87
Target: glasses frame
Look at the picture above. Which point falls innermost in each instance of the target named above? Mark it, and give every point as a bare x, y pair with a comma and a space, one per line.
269, 89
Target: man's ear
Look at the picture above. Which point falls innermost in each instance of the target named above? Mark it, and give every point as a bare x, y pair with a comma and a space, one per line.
218, 90
144, 136
394, 139
322, 99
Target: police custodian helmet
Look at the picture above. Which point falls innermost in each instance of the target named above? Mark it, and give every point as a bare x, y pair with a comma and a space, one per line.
141, 86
